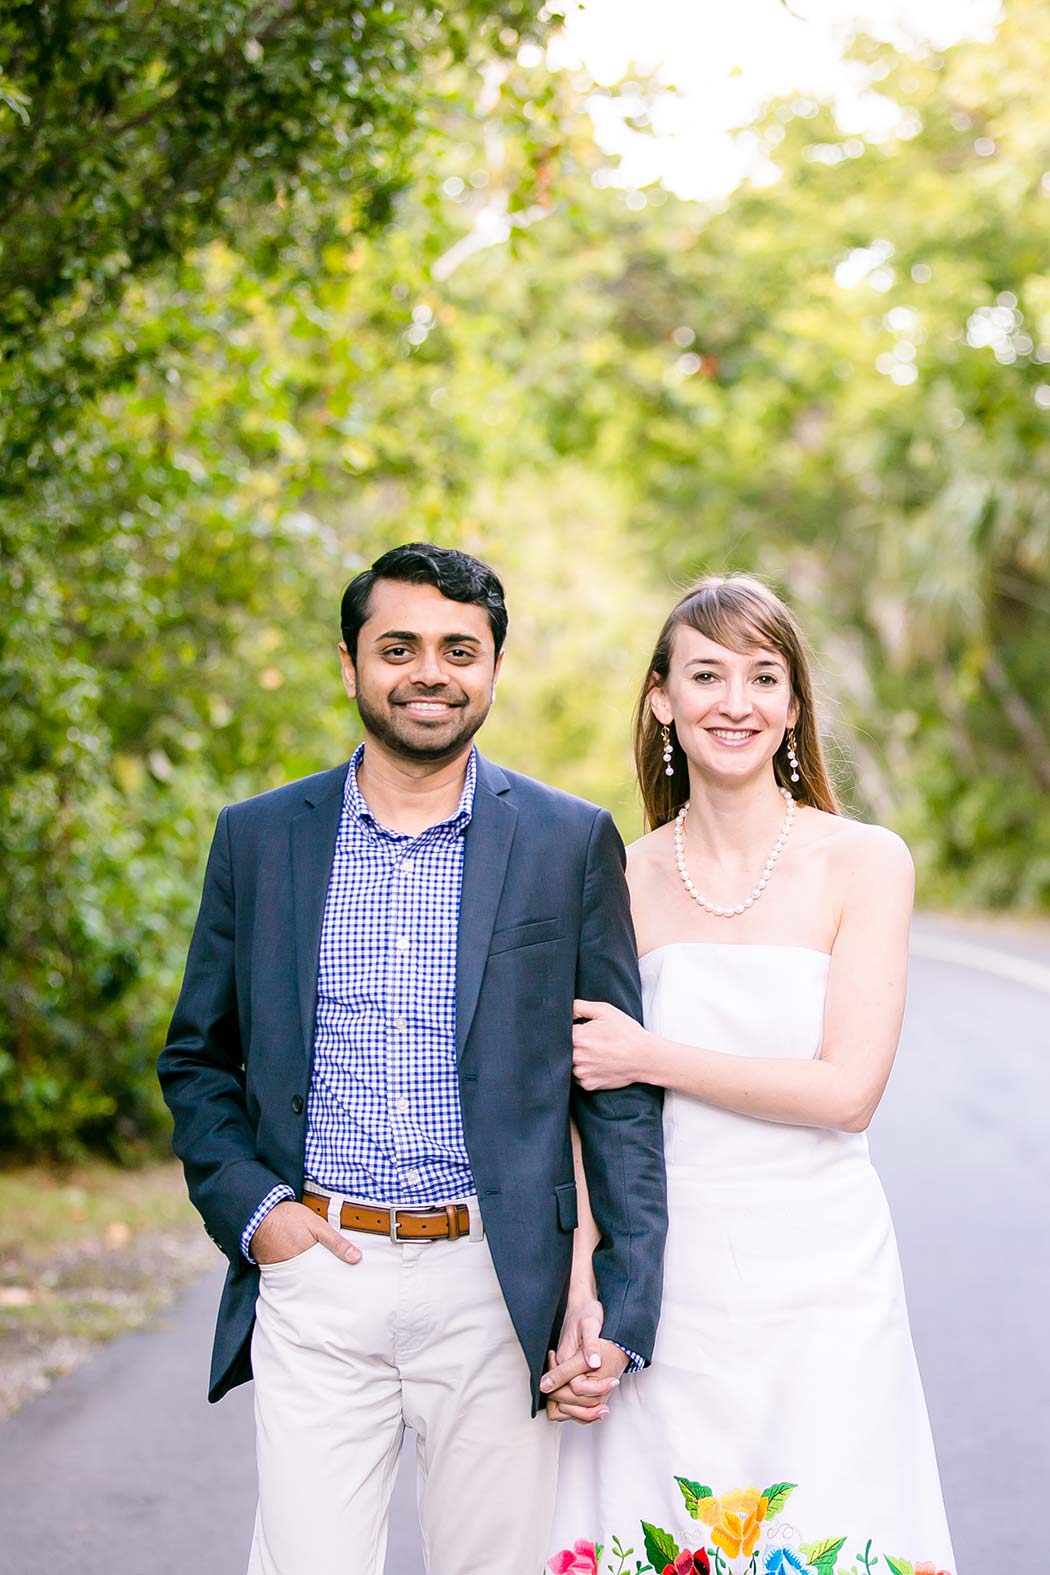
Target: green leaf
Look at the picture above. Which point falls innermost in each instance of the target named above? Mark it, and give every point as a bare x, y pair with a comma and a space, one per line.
660, 1546
692, 1492
778, 1496
822, 1555
900, 1566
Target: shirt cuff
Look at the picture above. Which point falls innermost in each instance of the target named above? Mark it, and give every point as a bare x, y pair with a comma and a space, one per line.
635, 1363
276, 1195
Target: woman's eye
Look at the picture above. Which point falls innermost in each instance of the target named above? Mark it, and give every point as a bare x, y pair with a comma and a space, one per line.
701, 677
768, 678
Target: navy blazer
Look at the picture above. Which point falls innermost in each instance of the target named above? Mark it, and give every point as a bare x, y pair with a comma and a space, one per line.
544, 918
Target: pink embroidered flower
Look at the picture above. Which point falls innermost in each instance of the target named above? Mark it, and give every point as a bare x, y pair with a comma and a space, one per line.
578, 1560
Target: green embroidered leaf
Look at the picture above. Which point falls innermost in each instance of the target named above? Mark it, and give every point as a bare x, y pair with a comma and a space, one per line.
692, 1492
660, 1546
822, 1555
900, 1566
598, 1551
778, 1496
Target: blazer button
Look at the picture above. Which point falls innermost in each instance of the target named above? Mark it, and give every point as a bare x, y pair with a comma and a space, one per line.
297, 1104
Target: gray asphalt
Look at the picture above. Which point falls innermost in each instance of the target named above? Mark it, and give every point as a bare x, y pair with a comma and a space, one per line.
123, 1469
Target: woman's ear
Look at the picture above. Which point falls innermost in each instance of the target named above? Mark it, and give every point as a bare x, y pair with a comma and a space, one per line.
660, 706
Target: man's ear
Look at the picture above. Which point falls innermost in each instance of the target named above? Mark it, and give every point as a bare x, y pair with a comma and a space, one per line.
349, 671
496, 670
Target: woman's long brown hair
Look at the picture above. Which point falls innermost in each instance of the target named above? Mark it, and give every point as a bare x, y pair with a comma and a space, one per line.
741, 613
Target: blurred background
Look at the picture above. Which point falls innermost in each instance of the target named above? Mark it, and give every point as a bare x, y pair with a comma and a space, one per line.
607, 296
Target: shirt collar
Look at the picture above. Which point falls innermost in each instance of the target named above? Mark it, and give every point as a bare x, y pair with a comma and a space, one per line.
355, 805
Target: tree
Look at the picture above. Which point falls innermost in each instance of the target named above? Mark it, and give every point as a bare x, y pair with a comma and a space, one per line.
135, 593
837, 378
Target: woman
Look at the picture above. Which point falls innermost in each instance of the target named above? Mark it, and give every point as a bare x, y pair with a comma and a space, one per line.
782, 1425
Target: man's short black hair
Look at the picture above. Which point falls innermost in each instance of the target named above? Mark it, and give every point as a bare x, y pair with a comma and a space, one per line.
455, 574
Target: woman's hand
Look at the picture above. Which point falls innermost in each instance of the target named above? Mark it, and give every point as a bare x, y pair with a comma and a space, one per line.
581, 1329
585, 1369
609, 1049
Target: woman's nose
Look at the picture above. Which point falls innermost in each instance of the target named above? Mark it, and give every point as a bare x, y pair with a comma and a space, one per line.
736, 702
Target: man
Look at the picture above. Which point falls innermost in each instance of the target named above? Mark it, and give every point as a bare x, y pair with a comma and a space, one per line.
370, 1071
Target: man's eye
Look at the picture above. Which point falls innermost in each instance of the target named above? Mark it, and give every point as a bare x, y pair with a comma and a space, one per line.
396, 650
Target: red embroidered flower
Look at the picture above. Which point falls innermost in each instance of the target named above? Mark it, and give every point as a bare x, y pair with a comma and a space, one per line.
688, 1563
578, 1560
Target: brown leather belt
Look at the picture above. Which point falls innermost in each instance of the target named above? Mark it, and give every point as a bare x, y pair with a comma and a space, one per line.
444, 1224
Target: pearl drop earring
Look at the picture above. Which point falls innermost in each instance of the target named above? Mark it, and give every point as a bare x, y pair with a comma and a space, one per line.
793, 754
665, 734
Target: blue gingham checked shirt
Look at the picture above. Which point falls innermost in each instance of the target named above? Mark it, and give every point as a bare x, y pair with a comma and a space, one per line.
383, 1118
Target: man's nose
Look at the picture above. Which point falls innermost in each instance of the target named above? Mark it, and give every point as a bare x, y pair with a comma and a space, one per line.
429, 670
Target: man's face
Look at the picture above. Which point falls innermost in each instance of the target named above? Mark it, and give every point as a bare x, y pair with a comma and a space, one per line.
425, 672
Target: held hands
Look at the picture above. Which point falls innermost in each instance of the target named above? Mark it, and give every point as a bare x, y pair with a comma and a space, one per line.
609, 1049
290, 1228
585, 1368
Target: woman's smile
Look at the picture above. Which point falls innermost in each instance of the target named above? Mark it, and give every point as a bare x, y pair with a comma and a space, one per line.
733, 737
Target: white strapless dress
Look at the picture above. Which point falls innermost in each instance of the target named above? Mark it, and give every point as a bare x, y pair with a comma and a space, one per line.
782, 1426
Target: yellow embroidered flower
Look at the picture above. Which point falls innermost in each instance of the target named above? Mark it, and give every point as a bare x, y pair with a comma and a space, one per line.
740, 1517
709, 1511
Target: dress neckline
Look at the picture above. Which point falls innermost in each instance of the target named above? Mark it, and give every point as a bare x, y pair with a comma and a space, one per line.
736, 946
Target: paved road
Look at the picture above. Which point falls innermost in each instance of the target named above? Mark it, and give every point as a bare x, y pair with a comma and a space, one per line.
122, 1469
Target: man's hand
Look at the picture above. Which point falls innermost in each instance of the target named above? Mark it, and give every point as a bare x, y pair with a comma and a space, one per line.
290, 1228
577, 1392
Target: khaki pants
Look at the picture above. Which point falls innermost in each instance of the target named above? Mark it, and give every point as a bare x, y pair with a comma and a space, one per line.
345, 1355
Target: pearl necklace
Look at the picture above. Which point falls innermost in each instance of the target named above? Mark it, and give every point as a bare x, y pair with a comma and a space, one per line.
770, 864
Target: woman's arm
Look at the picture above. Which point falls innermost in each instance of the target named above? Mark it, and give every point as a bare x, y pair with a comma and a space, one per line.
582, 1325
582, 1287
862, 1019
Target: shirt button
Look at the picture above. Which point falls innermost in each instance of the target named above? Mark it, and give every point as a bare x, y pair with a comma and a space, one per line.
402, 1103
413, 1178
406, 866
400, 1024
402, 943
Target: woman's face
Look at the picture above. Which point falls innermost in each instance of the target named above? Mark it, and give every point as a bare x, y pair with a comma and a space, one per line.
730, 709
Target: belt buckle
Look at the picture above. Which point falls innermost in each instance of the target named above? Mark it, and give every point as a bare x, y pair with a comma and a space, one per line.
394, 1237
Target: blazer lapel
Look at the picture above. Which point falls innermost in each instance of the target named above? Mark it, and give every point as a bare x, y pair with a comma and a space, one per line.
488, 842
313, 835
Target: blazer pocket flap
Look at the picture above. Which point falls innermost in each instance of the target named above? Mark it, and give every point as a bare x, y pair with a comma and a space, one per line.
530, 934
568, 1213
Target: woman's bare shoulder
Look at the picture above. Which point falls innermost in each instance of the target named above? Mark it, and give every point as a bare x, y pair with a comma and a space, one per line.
860, 850
649, 850
650, 846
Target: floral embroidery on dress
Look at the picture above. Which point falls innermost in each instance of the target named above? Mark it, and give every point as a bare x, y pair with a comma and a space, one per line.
736, 1521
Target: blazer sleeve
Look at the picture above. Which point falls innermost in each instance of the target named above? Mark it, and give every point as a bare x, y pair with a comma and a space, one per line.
201, 1067
621, 1130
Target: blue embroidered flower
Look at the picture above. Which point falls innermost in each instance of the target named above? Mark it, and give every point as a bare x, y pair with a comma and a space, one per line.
781, 1561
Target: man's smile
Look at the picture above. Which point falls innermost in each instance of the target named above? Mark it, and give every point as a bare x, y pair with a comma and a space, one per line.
428, 710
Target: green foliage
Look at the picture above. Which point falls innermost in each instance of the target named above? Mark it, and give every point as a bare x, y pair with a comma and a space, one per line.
163, 602
225, 385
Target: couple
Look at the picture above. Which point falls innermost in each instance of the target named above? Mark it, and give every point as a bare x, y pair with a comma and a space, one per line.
419, 1114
